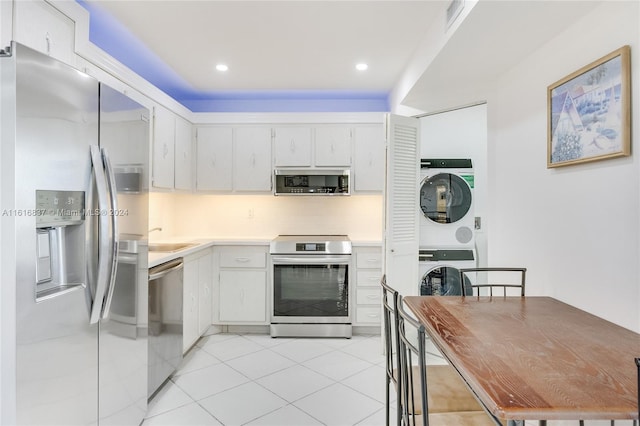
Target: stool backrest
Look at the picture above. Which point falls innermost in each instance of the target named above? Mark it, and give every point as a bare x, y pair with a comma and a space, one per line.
485, 280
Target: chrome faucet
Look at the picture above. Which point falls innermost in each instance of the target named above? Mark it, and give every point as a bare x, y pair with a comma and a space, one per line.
157, 228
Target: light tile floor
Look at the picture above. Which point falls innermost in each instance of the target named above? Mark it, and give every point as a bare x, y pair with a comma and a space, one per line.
251, 379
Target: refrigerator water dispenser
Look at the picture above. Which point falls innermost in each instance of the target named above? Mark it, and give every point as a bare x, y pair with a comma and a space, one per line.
60, 241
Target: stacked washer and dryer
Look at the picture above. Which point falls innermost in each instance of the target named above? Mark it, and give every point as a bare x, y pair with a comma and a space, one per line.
447, 240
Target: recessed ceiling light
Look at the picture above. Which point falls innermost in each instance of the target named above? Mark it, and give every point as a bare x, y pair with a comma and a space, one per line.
362, 66
222, 67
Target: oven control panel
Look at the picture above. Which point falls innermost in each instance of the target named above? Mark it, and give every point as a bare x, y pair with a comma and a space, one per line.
311, 247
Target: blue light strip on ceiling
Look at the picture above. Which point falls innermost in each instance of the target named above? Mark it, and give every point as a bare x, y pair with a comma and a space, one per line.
289, 101
116, 40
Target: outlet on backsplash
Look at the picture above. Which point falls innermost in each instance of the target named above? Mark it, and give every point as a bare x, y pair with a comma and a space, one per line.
251, 214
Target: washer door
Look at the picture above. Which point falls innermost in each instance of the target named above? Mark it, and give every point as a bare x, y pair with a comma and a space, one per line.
445, 198
443, 281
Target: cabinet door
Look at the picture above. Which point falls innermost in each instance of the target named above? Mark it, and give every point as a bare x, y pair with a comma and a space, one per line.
163, 148
401, 239
183, 154
333, 146
205, 298
190, 304
214, 155
369, 158
42, 27
252, 159
243, 296
292, 146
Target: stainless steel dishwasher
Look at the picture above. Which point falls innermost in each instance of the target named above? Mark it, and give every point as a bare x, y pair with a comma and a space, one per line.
165, 322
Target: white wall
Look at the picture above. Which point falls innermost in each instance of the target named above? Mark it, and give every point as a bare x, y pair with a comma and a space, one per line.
264, 216
462, 133
576, 228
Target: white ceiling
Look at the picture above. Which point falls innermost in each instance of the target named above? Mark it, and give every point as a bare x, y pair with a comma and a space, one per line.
280, 45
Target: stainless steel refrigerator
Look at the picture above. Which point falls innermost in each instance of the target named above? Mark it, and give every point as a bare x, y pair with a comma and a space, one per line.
75, 157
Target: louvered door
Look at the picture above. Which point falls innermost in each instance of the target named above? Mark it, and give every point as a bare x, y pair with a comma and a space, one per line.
401, 203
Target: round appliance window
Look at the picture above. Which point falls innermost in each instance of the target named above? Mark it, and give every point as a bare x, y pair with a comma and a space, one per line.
445, 198
443, 281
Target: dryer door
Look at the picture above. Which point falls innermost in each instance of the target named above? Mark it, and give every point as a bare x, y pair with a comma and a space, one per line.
445, 198
443, 281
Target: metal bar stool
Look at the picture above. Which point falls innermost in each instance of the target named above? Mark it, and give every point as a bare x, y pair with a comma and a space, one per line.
414, 387
447, 392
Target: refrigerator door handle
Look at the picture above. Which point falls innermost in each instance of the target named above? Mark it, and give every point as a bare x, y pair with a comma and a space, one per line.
114, 238
104, 266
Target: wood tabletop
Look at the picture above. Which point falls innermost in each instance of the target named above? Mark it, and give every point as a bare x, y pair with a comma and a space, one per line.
535, 358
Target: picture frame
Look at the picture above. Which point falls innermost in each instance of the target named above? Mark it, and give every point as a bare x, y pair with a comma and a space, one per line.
589, 112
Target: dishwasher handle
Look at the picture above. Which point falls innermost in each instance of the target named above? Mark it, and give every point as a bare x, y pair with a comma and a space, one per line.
160, 271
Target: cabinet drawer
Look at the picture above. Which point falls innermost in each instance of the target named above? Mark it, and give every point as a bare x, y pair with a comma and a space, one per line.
368, 296
238, 258
371, 315
368, 278
369, 260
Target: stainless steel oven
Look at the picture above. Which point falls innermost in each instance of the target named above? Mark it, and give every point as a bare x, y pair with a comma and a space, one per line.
311, 286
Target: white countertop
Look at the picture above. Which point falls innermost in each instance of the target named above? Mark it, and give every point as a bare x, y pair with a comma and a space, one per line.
157, 258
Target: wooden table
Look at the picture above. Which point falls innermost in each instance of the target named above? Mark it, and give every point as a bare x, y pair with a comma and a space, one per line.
535, 358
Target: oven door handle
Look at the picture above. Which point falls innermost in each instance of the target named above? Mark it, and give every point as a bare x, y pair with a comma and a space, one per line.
308, 260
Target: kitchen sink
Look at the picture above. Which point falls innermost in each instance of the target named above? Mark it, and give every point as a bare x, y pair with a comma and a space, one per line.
169, 247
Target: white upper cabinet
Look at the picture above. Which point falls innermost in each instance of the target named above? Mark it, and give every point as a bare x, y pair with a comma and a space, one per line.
252, 159
292, 146
369, 158
44, 28
172, 146
6, 22
164, 126
333, 146
317, 146
183, 142
214, 157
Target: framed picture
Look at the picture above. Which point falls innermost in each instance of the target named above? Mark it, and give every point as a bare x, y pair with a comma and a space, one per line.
589, 112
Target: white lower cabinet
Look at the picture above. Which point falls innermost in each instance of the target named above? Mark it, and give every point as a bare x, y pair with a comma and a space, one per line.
197, 299
205, 292
190, 304
241, 293
368, 295
243, 296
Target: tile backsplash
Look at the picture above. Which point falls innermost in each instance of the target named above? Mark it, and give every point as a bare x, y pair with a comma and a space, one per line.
265, 216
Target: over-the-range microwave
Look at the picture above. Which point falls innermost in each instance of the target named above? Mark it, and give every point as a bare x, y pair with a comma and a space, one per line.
312, 181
